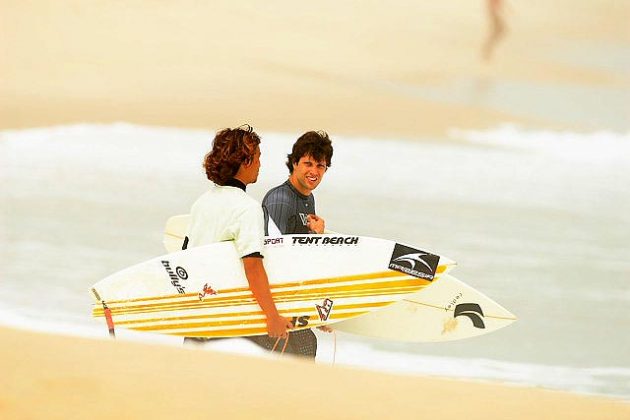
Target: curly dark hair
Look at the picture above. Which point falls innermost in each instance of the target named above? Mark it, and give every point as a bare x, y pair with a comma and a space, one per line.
314, 143
230, 148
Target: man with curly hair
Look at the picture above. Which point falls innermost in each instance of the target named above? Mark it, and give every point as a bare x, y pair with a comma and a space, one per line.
227, 213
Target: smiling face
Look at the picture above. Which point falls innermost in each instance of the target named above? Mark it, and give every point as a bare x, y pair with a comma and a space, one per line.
307, 174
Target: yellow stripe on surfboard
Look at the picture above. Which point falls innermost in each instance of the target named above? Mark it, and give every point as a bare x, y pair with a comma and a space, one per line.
220, 300
209, 331
306, 310
405, 285
313, 299
201, 312
382, 274
247, 292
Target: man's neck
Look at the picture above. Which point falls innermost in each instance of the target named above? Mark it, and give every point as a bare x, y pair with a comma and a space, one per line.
241, 179
297, 187
235, 182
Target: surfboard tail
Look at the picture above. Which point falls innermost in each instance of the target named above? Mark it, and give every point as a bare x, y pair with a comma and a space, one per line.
447, 310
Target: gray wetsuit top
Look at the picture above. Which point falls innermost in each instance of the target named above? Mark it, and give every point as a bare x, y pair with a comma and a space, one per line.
288, 209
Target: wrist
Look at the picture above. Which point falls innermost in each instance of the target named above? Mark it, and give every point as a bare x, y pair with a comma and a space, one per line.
273, 316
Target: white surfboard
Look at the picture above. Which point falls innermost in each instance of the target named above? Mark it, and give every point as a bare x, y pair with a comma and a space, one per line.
447, 310
314, 279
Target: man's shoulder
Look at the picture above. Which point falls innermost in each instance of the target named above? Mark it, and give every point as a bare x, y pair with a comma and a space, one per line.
281, 194
244, 199
226, 196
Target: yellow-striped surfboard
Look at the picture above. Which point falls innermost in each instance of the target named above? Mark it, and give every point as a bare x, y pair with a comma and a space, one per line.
448, 310
314, 280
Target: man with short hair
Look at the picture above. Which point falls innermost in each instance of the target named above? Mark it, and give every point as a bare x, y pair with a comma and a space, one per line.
291, 205
290, 209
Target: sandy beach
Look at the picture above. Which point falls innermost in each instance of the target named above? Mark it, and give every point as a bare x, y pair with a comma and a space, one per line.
353, 67
48, 376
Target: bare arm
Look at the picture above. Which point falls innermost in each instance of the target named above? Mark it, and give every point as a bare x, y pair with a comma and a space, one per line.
277, 325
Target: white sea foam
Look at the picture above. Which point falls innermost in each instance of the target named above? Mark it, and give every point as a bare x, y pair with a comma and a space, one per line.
591, 380
607, 147
536, 219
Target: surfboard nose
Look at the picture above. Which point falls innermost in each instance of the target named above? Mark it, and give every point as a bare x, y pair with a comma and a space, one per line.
445, 265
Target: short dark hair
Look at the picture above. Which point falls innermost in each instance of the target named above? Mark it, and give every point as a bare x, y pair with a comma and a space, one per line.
230, 148
314, 143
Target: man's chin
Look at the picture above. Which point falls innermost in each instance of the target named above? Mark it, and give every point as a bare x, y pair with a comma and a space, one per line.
311, 185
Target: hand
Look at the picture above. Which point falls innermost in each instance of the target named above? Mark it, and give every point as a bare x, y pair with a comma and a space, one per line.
325, 328
278, 326
315, 223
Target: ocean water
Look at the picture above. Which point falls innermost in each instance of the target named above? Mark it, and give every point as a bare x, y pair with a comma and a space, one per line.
537, 220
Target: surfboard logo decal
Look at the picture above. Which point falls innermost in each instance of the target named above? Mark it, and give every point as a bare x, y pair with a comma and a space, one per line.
207, 290
473, 311
414, 262
324, 309
300, 321
273, 241
325, 240
181, 274
413, 259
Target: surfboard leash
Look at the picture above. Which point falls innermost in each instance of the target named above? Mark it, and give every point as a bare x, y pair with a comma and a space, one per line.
284, 347
108, 314
110, 321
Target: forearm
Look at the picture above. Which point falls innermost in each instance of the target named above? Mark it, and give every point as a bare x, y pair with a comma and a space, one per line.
259, 285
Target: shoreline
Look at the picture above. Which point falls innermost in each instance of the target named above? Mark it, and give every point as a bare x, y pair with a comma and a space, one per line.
69, 376
335, 352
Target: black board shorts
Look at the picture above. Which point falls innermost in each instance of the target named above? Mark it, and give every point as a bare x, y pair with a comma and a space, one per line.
301, 343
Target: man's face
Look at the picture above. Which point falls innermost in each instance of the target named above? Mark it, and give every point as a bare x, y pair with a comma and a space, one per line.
307, 174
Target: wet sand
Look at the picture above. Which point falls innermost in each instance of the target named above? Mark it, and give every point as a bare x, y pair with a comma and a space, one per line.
61, 377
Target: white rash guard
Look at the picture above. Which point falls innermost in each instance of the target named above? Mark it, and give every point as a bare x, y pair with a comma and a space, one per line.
227, 213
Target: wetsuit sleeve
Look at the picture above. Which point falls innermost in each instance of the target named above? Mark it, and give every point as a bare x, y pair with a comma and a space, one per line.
280, 213
270, 226
279, 207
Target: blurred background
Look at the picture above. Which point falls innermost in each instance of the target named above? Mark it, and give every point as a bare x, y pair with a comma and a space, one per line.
494, 132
